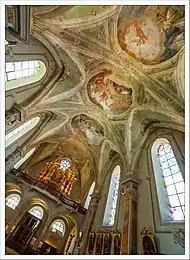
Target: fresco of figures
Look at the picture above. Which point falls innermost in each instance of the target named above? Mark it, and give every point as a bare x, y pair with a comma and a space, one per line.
112, 97
88, 128
151, 34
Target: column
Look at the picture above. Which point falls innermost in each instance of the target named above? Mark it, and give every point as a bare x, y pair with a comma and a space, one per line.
89, 220
14, 116
12, 159
129, 232
15, 219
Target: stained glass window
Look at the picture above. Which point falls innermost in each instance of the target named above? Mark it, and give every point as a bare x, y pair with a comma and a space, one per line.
111, 205
173, 181
65, 164
21, 69
37, 211
58, 226
12, 201
21, 130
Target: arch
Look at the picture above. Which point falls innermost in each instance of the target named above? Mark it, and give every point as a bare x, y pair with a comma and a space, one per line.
21, 130
22, 160
12, 200
86, 204
20, 73
169, 182
58, 226
37, 211
111, 205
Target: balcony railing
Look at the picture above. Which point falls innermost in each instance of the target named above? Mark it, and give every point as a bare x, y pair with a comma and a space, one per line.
49, 189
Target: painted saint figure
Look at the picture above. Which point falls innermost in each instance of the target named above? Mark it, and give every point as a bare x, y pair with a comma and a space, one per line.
109, 95
151, 34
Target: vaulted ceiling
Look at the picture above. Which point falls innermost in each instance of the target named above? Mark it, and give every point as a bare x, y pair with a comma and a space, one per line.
123, 73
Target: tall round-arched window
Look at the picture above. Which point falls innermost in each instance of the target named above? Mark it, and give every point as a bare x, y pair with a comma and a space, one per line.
58, 226
12, 201
111, 205
169, 182
37, 211
20, 73
86, 204
22, 160
21, 130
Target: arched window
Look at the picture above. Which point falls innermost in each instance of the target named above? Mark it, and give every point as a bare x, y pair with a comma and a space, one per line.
12, 201
37, 211
58, 226
86, 204
21, 130
169, 182
22, 73
22, 160
110, 211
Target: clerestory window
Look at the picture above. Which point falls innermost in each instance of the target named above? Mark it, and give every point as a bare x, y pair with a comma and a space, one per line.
111, 205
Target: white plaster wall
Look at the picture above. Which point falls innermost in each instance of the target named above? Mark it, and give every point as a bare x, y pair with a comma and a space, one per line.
167, 245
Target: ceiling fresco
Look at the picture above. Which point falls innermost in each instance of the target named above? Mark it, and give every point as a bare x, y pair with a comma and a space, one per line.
151, 34
118, 65
88, 128
111, 97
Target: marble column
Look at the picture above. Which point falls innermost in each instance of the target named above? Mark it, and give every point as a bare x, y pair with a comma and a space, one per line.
129, 232
89, 220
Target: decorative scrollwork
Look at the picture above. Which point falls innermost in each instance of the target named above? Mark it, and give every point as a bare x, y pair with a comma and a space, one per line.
179, 236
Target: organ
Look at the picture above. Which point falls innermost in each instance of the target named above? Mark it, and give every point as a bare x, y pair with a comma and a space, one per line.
58, 175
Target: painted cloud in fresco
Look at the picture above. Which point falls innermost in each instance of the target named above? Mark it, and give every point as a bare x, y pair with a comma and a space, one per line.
151, 34
112, 97
87, 127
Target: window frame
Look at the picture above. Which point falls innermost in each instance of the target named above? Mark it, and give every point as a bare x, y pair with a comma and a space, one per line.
161, 226
39, 208
64, 227
23, 159
88, 197
168, 167
107, 198
23, 83
12, 195
20, 127
35, 68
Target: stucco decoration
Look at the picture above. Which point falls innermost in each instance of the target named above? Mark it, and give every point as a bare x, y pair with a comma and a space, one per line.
179, 236
151, 34
87, 127
114, 98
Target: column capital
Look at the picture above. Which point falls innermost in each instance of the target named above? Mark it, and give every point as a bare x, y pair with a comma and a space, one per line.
128, 187
95, 197
130, 177
20, 150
